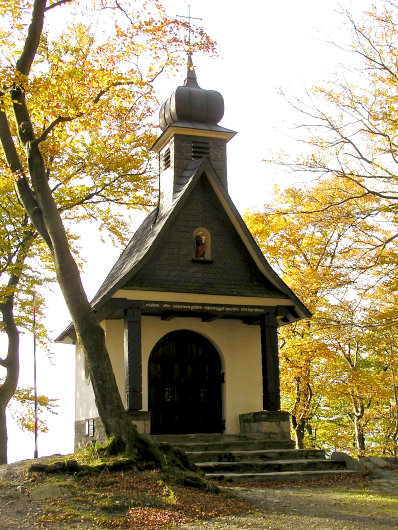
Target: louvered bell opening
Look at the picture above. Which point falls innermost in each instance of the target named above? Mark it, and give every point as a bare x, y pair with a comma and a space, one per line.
165, 160
200, 149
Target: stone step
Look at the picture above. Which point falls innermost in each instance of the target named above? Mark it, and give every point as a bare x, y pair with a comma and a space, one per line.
282, 476
273, 466
207, 437
221, 443
214, 437
263, 455
201, 437
253, 457
235, 445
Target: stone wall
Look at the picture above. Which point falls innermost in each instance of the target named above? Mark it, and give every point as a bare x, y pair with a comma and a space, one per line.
274, 425
141, 419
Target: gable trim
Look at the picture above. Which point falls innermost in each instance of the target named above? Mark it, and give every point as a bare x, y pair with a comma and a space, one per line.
159, 296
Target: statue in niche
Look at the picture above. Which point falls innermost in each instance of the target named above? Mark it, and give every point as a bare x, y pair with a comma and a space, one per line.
200, 245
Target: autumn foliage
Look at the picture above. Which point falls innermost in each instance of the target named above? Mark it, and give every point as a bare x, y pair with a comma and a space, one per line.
334, 241
76, 122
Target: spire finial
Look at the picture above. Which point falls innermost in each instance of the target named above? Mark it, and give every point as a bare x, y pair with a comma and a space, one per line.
189, 25
191, 74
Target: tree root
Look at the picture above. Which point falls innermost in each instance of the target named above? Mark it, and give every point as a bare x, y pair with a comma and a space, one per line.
175, 465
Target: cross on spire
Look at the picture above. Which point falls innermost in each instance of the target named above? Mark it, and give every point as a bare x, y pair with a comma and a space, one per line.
189, 24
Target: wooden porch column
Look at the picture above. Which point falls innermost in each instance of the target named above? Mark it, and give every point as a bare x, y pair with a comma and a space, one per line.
133, 358
270, 362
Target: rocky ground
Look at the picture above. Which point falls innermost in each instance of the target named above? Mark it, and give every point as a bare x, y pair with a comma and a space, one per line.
128, 500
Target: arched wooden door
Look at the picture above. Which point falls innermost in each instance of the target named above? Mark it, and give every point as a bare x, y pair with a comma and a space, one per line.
184, 377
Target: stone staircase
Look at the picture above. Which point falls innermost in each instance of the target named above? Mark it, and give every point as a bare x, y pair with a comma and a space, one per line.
253, 458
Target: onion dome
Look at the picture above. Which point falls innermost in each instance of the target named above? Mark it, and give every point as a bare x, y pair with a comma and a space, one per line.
192, 105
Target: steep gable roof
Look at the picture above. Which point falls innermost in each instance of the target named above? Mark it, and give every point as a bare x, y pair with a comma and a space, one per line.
149, 235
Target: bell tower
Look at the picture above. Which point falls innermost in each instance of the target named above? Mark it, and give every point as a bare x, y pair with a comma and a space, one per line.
190, 132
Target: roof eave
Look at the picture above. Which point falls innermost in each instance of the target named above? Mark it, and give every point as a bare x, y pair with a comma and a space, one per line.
192, 129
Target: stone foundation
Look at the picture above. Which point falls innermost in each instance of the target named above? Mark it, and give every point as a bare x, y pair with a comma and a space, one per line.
274, 425
142, 420
82, 439
95, 432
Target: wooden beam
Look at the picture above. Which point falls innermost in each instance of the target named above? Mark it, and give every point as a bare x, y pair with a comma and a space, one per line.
251, 321
270, 361
210, 317
169, 315
133, 359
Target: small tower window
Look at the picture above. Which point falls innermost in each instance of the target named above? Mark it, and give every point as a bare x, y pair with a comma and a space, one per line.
165, 159
201, 245
200, 149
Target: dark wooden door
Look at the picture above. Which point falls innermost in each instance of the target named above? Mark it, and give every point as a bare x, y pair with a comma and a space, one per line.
185, 385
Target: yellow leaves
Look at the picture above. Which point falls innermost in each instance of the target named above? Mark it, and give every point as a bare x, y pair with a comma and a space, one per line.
15, 8
23, 409
327, 250
84, 71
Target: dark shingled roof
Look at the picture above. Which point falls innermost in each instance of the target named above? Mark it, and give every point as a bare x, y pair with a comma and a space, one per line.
148, 236
143, 243
145, 240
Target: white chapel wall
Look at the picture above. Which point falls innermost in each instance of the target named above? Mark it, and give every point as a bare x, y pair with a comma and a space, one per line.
114, 336
85, 406
239, 347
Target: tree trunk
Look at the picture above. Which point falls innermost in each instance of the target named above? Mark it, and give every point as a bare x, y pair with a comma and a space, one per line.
299, 430
356, 416
89, 333
359, 436
394, 435
39, 203
11, 363
3, 436
300, 409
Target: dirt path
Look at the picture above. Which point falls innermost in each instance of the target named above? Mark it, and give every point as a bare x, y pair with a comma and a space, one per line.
349, 505
322, 507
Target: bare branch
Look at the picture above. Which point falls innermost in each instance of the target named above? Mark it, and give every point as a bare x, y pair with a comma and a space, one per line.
56, 4
52, 126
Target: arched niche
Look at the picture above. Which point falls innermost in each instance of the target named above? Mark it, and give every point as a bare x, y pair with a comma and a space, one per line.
201, 244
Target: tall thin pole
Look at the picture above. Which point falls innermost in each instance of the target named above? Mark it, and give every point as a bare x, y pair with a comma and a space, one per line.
35, 454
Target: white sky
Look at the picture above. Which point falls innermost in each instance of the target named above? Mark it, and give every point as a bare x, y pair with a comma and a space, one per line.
263, 46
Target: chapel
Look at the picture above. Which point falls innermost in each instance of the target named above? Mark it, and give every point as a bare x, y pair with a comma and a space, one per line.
191, 308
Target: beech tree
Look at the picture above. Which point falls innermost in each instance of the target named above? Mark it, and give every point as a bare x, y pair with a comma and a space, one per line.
382, 339
327, 257
75, 129
348, 125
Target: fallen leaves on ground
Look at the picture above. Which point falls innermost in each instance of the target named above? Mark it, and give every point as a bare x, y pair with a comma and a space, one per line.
138, 500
